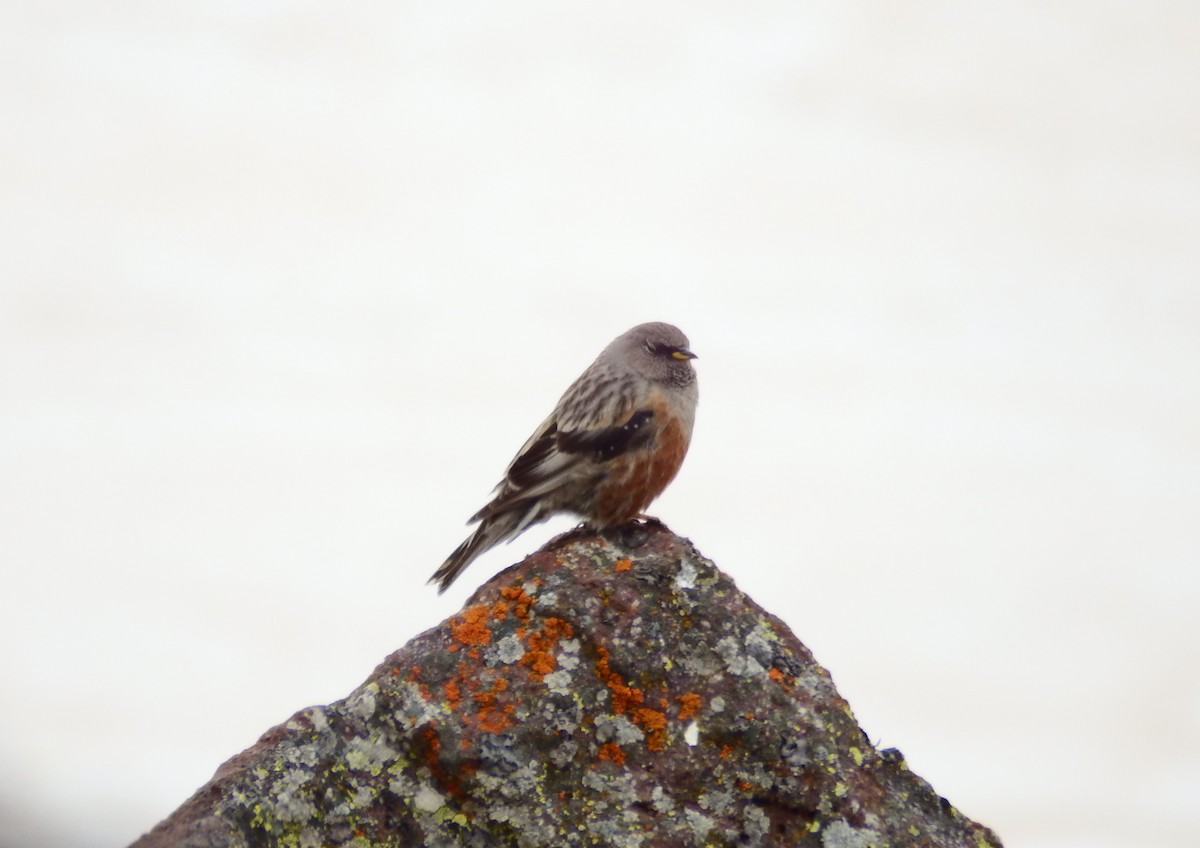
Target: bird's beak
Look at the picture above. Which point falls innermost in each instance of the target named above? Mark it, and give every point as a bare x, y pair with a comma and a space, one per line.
683, 353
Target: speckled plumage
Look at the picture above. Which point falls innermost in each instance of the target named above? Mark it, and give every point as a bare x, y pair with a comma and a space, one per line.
615, 440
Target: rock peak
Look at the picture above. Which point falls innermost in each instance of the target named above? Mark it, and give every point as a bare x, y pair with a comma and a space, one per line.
613, 690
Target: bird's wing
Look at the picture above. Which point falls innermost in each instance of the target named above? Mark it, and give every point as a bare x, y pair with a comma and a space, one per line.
604, 443
537, 459
594, 422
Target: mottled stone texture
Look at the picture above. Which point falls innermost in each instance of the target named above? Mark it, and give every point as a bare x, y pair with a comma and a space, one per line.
611, 690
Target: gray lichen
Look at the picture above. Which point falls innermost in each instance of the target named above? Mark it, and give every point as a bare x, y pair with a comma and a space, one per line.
610, 690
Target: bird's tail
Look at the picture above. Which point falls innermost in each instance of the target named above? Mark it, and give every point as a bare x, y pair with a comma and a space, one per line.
496, 528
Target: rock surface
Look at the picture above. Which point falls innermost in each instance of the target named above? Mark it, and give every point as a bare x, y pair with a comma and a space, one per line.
612, 690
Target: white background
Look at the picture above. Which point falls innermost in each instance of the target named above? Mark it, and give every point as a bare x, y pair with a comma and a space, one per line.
283, 286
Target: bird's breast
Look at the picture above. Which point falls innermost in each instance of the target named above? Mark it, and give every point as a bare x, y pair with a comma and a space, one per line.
639, 476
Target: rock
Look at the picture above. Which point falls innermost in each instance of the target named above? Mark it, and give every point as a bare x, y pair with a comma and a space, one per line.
612, 690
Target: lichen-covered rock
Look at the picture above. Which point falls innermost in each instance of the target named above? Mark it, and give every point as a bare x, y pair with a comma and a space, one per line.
611, 690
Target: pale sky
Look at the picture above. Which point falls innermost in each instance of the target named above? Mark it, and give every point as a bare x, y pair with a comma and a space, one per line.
286, 285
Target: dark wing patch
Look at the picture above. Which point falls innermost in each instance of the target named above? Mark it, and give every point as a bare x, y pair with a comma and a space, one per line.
604, 444
524, 470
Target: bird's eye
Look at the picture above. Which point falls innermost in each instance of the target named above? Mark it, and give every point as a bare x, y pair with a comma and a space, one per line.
667, 351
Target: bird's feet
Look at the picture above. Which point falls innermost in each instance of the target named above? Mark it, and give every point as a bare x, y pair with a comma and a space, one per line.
632, 533
636, 531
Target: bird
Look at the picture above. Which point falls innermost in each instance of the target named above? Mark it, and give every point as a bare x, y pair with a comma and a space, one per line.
615, 440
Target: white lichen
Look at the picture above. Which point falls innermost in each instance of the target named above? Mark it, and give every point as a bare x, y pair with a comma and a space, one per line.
507, 650
700, 823
838, 834
685, 578
737, 662
617, 728
568, 654
662, 802
716, 801
558, 682
293, 799
361, 704
370, 755
428, 799
758, 642
755, 822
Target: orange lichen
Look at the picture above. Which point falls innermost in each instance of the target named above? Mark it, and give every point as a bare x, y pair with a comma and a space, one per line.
493, 717
488, 698
628, 699
649, 718
623, 565
521, 601
540, 663
623, 696
453, 693
500, 610
494, 721
654, 724
539, 656
689, 704
470, 627
612, 751
726, 750
779, 676
433, 744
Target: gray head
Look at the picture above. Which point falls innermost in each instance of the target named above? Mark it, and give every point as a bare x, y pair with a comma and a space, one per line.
658, 352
